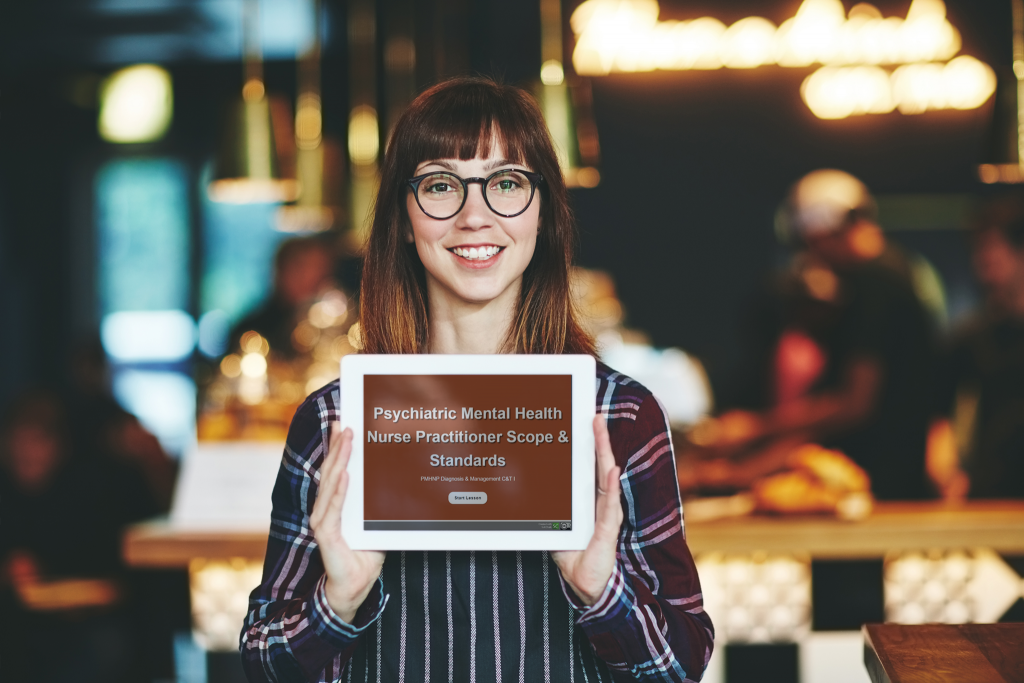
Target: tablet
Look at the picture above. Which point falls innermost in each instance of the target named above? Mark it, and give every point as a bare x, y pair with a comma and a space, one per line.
455, 452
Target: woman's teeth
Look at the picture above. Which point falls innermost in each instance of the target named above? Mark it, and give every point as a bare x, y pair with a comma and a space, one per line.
476, 253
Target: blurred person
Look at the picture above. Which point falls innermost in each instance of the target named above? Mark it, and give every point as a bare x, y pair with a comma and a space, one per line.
983, 388
66, 601
302, 271
105, 430
843, 354
108, 436
301, 330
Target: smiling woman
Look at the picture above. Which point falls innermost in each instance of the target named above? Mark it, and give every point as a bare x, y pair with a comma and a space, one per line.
469, 253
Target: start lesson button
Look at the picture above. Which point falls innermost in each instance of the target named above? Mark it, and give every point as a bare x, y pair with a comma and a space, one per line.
472, 498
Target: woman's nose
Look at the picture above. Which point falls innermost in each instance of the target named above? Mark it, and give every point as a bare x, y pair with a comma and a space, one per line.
475, 213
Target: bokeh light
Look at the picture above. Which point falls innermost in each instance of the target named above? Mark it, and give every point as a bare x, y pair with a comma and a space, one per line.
363, 135
551, 72
626, 36
136, 104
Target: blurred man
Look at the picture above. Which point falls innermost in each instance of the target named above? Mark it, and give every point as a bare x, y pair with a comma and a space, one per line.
65, 592
104, 431
302, 271
984, 388
844, 353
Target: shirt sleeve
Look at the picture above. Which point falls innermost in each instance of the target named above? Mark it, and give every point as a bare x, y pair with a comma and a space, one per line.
649, 624
291, 633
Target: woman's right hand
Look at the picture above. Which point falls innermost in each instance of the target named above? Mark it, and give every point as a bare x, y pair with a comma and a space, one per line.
350, 573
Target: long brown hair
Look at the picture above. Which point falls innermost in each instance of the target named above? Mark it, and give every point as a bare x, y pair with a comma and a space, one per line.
457, 119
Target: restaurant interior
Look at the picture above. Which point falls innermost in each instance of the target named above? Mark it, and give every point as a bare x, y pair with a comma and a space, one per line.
801, 225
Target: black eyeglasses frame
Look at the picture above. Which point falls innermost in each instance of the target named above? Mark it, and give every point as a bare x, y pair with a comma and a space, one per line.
534, 178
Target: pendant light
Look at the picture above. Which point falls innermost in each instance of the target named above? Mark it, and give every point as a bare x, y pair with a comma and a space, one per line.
314, 210
1006, 148
246, 168
566, 103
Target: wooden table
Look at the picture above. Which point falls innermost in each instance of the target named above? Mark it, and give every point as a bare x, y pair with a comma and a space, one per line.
978, 653
997, 525
158, 543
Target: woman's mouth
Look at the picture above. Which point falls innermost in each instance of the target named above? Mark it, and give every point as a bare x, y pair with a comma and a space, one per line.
476, 253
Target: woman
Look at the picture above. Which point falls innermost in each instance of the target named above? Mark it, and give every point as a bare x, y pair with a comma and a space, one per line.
469, 253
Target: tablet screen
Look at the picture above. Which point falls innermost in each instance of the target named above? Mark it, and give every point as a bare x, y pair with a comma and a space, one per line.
467, 452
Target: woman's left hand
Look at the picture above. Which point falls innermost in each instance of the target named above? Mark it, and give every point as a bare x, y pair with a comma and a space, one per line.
588, 571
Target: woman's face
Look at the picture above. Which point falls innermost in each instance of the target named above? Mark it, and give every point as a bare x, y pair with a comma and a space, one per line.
476, 256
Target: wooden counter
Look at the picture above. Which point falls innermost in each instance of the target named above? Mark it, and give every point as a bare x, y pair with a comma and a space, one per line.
159, 544
934, 653
997, 525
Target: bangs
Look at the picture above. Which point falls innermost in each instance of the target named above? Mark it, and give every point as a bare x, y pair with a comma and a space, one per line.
464, 123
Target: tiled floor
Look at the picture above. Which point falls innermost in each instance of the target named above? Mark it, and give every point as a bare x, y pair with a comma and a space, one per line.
788, 619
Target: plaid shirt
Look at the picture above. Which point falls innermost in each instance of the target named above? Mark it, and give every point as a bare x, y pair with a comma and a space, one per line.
487, 616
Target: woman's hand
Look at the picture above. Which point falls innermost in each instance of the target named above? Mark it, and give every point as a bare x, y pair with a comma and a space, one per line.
588, 571
350, 573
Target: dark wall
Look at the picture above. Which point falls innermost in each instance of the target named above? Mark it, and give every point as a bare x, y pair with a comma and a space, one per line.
40, 135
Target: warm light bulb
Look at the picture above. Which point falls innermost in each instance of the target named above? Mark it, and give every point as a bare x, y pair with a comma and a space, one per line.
863, 10
748, 43
626, 36
253, 90
839, 92
700, 44
253, 365
308, 121
254, 342
551, 72
918, 88
363, 135
968, 82
231, 366
136, 104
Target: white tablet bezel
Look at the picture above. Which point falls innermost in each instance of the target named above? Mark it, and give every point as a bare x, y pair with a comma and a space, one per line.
582, 369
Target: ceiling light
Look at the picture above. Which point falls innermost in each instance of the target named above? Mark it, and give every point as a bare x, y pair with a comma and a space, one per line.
135, 104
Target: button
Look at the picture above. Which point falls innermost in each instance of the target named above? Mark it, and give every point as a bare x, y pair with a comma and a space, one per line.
472, 498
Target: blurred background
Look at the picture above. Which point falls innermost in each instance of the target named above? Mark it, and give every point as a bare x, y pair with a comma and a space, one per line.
184, 186
94, 223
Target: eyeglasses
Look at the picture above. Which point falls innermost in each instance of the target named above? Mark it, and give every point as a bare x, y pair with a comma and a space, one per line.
507, 192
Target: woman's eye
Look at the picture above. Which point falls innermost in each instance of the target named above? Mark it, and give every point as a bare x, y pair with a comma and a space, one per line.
506, 185
438, 185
